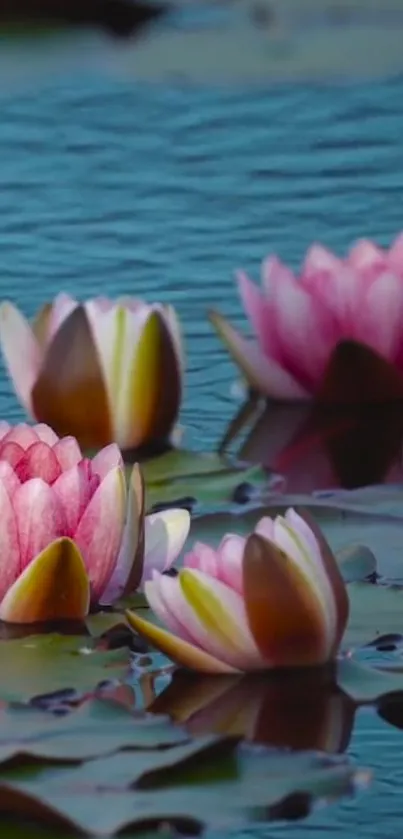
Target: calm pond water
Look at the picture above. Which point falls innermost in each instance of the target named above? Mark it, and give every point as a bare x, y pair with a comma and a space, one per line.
115, 188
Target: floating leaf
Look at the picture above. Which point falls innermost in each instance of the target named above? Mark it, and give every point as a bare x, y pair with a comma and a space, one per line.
203, 478
222, 789
357, 562
97, 727
368, 684
375, 610
42, 664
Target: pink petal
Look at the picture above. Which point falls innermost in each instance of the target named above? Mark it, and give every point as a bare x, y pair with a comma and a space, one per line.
74, 491
165, 534
263, 373
203, 557
63, 306
39, 461
21, 352
68, 452
155, 590
229, 560
273, 270
102, 303
8, 478
259, 313
108, 458
320, 262
46, 434
4, 428
9, 544
379, 320
365, 256
23, 434
99, 533
304, 331
40, 518
304, 531
12, 453
339, 295
265, 527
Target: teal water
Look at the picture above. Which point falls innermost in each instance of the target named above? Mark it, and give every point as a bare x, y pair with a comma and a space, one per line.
160, 191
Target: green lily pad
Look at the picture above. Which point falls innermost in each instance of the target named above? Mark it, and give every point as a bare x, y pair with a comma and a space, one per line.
97, 727
206, 478
375, 610
224, 788
368, 684
43, 664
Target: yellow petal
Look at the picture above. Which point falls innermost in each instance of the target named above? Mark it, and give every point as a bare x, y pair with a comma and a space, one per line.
155, 383
217, 620
54, 586
284, 613
182, 653
69, 394
40, 324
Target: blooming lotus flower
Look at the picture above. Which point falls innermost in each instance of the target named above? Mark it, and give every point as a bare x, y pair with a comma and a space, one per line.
70, 535
104, 371
299, 321
275, 599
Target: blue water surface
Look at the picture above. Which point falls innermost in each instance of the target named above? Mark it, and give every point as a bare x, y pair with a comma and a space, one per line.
114, 188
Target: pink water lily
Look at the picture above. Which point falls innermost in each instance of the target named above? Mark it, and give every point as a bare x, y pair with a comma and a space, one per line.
275, 599
104, 371
298, 321
70, 534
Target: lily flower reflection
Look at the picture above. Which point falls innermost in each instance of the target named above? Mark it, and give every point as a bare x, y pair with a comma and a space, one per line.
314, 448
276, 599
104, 371
71, 536
302, 710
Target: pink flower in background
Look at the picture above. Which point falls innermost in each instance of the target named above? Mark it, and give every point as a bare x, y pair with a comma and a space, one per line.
104, 371
275, 599
70, 534
299, 320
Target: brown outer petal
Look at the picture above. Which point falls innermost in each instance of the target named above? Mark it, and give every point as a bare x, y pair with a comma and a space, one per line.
156, 381
70, 393
138, 511
356, 374
284, 615
334, 575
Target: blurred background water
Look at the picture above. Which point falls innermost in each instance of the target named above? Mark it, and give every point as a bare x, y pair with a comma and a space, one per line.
117, 187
